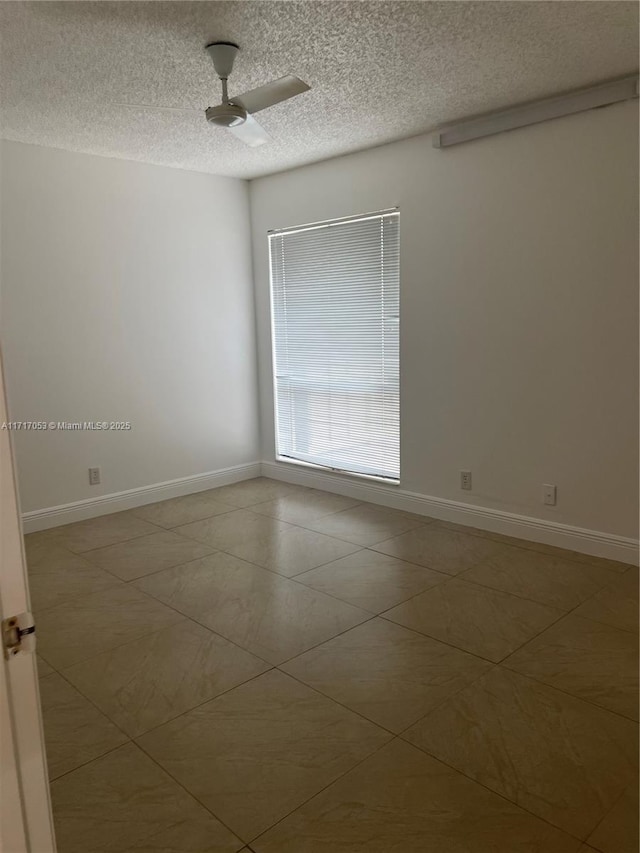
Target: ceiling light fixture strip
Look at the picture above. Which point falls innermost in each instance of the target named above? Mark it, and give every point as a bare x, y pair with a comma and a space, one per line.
538, 111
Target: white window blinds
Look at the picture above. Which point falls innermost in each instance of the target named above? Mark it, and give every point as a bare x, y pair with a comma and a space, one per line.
335, 312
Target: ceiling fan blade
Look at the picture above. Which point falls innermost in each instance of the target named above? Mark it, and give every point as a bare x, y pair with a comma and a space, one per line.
270, 94
154, 107
250, 132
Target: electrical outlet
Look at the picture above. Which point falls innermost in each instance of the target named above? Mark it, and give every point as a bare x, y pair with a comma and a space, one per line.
465, 480
550, 494
94, 476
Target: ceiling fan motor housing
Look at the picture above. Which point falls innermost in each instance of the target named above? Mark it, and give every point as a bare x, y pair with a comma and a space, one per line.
223, 54
226, 115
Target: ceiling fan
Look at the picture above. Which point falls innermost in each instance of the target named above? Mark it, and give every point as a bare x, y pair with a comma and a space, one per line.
236, 114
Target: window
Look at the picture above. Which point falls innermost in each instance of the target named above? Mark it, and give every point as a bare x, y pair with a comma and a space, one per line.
335, 312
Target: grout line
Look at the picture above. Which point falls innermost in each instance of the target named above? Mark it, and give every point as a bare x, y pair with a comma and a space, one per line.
200, 704
468, 530
393, 737
187, 791
615, 577
381, 554
327, 641
461, 576
283, 576
91, 761
34, 572
388, 510
539, 633
447, 699
529, 545
565, 692
322, 642
335, 701
91, 702
133, 639
381, 614
71, 598
493, 791
38, 655
54, 540
482, 586
447, 643
534, 636
606, 815
323, 789
78, 689
124, 541
632, 631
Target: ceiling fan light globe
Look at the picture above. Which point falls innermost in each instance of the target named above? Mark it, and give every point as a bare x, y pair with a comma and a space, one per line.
226, 115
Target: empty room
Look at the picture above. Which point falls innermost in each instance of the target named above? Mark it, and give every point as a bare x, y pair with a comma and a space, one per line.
319, 432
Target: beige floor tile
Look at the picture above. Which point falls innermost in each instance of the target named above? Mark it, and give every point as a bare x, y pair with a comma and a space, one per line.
301, 507
188, 837
59, 583
292, 551
590, 660
99, 532
402, 801
261, 750
618, 832
258, 746
44, 668
443, 550
271, 616
75, 732
233, 528
559, 757
148, 554
56, 574
387, 673
42, 550
479, 620
45, 555
36, 543
84, 627
367, 524
539, 577
183, 510
123, 802
617, 605
563, 553
540, 547
256, 491
371, 580
150, 681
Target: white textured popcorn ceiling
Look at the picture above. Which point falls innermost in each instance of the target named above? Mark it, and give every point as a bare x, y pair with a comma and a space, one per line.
379, 71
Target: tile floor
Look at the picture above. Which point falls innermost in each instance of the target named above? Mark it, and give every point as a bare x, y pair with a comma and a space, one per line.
268, 668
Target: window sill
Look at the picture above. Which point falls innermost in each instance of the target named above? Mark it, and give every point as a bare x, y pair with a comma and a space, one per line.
298, 463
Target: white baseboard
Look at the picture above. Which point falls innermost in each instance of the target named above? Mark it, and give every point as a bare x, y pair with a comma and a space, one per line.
42, 519
592, 542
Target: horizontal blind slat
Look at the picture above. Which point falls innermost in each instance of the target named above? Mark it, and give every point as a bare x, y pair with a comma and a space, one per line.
335, 309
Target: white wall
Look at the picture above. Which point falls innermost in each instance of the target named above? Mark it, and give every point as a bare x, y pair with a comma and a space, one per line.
519, 309
126, 296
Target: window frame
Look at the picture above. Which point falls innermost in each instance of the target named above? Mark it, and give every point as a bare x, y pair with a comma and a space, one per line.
288, 460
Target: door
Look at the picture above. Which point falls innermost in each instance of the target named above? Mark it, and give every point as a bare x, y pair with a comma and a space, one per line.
26, 825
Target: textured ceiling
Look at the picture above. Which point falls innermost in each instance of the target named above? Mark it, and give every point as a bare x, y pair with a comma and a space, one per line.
378, 71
